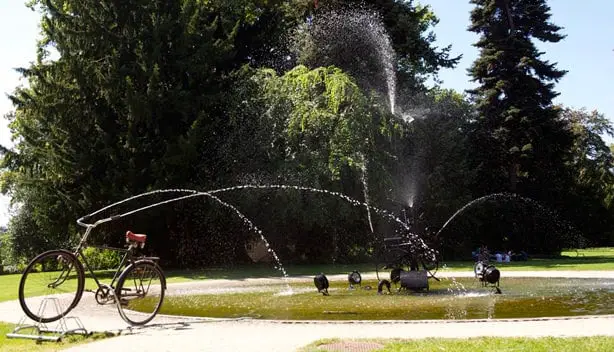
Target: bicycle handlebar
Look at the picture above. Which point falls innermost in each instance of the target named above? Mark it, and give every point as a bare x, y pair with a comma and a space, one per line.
190, 194
101, 221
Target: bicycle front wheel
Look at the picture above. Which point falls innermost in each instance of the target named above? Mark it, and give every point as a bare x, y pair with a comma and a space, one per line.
51, 286
140, 291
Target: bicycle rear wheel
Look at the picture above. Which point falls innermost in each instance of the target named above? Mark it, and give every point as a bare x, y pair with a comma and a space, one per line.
390, 261
51, 286
431, 266
140, 291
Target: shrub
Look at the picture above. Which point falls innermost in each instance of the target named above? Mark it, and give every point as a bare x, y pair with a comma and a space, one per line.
102, 258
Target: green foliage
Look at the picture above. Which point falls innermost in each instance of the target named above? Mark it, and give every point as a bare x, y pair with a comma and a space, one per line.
357, 53
6, 250
520, 142
136, 100
206, 94
324, 130
591, 168
519, 138
102, 259
329, 122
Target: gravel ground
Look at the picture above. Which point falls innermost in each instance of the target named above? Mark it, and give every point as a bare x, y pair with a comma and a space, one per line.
168, 333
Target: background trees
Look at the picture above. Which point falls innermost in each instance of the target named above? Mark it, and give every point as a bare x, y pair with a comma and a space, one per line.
591, 168
522, 143
520, 139
190, 94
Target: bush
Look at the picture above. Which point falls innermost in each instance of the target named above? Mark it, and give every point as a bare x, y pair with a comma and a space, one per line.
7, 256
100, 259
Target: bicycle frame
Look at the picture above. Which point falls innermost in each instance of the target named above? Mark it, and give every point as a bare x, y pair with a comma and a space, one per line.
127, 257
78, 253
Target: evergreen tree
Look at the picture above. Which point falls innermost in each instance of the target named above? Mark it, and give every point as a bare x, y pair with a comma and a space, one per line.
591, 167
520, 140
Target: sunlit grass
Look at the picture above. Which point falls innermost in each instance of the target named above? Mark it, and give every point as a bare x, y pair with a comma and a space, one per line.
485, 344
9, 285
14, 345
590, 252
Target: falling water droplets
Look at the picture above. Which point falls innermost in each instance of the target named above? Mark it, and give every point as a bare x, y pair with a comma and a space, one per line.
356, 31
365, 189
188, 194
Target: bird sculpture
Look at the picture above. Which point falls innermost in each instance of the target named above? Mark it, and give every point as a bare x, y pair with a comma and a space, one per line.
321, 283
381, 285
354, 278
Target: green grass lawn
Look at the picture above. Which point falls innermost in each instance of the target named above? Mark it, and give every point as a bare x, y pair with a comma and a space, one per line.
486, 344
10, 345
9, 285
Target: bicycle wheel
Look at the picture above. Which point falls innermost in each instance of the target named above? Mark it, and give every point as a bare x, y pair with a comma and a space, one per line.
51, 286
431, 265
140, 291
392, 260
478, 268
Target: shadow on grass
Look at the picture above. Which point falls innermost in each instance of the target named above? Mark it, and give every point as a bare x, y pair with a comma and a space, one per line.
239, 272
33, 345
562, 262
268, 271
604, 262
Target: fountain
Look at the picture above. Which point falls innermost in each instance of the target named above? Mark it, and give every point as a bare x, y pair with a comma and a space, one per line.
452, 298
355, 40
455, 298
440, 292
341, 36
554, 222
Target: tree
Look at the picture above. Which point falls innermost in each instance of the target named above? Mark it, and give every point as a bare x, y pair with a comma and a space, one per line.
592, 170
360, 36
136, 100
440, 143
520, 141
432, 177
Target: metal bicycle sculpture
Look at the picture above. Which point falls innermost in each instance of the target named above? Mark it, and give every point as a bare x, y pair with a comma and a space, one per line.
487, 274
137, 287
398, 256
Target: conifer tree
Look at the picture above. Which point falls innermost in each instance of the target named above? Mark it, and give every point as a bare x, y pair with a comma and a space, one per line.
520, 140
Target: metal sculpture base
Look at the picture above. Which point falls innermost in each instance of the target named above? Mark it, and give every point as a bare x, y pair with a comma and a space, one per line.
414, 280
41, 332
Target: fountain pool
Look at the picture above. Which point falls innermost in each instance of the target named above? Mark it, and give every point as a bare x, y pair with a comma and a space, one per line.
456, 299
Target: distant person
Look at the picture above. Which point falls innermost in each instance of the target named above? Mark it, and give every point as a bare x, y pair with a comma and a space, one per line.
507, 256
499, 257
484, 254
475, 255
522, 256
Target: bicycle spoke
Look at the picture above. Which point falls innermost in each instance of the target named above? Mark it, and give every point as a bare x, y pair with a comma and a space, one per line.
140, 301
51, 286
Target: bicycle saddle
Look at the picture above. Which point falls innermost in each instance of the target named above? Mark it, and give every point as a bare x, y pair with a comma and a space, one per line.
135, 237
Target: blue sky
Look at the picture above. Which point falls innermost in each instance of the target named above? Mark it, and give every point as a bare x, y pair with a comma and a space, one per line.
586, 53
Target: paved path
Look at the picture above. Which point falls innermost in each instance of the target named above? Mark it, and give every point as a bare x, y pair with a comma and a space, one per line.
168, 333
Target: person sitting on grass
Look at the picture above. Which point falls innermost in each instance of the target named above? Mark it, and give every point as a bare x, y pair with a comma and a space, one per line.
484, 255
